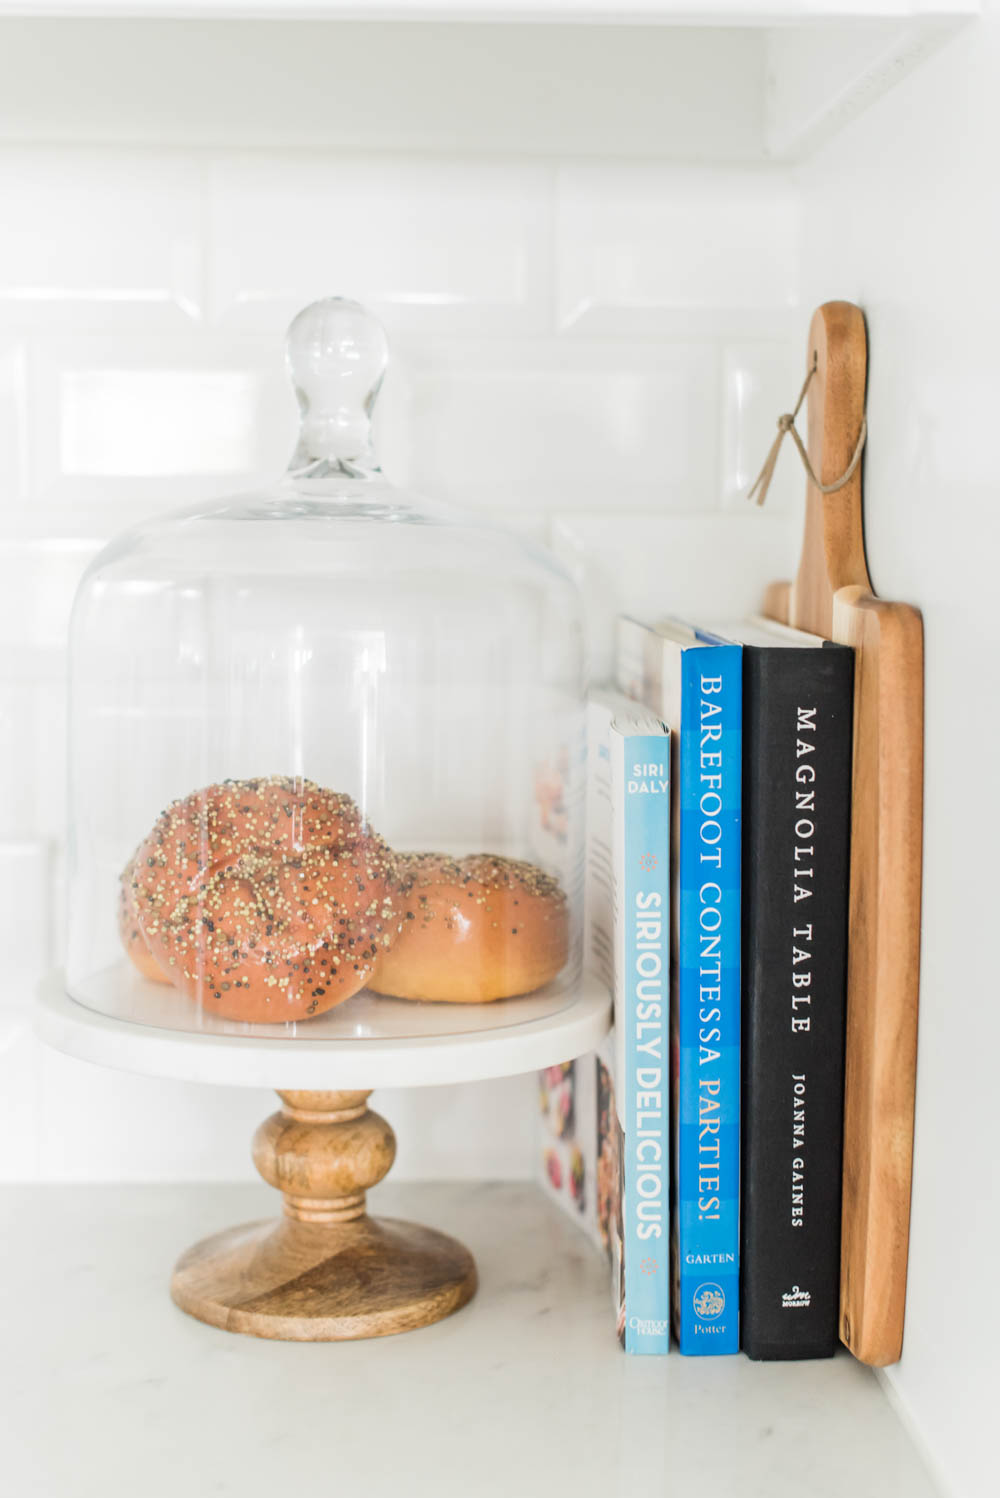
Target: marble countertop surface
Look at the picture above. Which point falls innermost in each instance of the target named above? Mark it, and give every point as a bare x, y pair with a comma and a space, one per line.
108, 1389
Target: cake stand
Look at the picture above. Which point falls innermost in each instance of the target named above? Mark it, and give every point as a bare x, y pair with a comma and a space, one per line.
325, 1271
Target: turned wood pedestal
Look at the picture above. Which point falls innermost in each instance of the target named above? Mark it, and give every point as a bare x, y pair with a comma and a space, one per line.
326, 1271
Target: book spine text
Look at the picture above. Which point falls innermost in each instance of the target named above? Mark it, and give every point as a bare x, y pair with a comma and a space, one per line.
797, 769
641, 794
708, 1000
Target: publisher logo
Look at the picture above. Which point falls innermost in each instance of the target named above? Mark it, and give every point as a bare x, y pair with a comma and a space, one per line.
649, 1328
709, 1301
795, 1298
648, 862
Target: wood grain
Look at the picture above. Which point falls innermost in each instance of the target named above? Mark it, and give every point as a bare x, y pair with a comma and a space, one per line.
326, 1271
833, 544
832, 596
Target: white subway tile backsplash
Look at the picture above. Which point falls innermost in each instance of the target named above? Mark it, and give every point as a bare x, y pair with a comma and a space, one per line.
707, 568
157, 422
446, 245
33, 755
142, 1128
20, 1095
91, 237
635, 245
40, 578
761, 381
190, 1132
546, 424
13, 427
473, 1131
126, 419
25, 917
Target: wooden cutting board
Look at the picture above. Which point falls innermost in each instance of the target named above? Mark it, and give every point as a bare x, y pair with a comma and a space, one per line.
832, 596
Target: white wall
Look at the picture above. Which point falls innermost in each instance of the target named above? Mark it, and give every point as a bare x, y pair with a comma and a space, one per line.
595, 351
902, 214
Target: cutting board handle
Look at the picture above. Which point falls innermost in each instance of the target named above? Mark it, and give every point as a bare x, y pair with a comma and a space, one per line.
833, 544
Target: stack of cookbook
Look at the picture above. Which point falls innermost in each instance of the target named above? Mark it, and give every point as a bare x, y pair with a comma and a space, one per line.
701, 1148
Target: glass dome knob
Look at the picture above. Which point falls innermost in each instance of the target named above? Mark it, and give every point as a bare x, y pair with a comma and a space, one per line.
337, 356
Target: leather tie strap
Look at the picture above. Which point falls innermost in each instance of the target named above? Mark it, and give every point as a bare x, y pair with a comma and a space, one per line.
786, 424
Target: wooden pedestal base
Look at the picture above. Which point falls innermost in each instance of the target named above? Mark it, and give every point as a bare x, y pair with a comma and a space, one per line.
327, 1271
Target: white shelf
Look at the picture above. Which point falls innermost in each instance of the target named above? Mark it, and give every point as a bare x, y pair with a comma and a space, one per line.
732, 81
365, 1042
108, 1389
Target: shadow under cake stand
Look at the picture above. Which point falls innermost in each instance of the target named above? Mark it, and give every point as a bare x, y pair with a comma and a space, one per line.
325, 1271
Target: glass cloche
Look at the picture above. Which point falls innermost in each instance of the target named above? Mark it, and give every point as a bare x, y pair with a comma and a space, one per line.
326, 749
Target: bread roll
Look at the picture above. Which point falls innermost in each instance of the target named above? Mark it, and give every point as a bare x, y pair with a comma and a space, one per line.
265, 900
475, 929
128, 929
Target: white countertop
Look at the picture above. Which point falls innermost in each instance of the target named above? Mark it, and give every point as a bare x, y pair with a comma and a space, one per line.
106, 1389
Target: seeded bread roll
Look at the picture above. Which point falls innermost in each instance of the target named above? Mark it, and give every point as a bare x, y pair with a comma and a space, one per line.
128, 929
475, 929
264, 900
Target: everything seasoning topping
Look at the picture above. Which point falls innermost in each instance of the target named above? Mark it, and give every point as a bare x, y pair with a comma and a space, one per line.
487, 869
264, 885
484, 878
475, 929
272, 900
